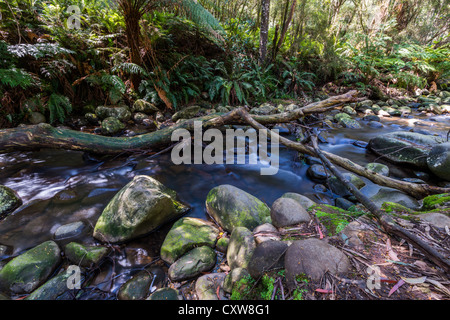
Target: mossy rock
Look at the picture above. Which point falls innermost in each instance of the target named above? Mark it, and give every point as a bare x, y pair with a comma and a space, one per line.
9, 200
333, 218
29, 270
186, 234
232, 207
85, 256
437, 201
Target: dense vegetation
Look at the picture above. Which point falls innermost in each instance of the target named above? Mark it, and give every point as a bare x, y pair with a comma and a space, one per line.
58, 56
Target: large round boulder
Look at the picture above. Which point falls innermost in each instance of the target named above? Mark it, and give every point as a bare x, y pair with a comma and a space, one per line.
438, 160
140, 207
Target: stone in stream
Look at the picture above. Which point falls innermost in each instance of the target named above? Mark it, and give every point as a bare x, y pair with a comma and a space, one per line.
121, 113
186, 113
232, 207
111, 125
267, 256
405, 147
210, 286
186, 234
317, 172
378, 168
438, 161
165, 294
142, 106
137, 287
85, 256
340, 189
240, 248
304, 201
70, 230
29, 270
393, 195
286, 212
9, 200
192, 264
56, 288
313, 257
140, 207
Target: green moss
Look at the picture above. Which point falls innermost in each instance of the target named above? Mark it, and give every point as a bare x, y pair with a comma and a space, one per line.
248, 289
436, 201
333, 218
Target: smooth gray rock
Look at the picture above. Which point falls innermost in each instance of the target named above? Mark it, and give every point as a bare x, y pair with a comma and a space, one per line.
193, 263
240, 248
286, 212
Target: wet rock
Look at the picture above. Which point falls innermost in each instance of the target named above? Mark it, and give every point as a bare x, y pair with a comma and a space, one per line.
70, 230
313, 257
121, 113
193, 263
317, 172
234, 276
232, 207
145, 107
267, 256
340, 189
85, 256
186, 113
66, 196
378, 168
165, 294
29, 270
136, 288
56, 288
393, 195
265, 232
438, 161
222, 244
210, 287
240, 248
9, 200
92, 118
350, 123
349, 110
186, 234
140, 207
287, 212
405, 147
371, 118
303, 200
111, 125
140, 117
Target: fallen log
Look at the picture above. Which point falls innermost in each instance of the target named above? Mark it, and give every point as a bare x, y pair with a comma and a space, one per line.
47, 136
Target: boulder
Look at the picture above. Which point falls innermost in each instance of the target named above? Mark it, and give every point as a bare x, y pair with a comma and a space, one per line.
232, 207
438, 160
317, 172
85, 256
393, 195
240, 248
186, 234
140, 207
408, 148
192, 264
137, 287
267, 256
303, 200
210, 287
29, 270
165, 294
36, 118
186, 113
313, 257
378, 168
142, 106
121, 113
286, 212
111, 125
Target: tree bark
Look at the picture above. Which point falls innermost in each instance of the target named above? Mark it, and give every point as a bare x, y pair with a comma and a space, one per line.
264, 30
283, 33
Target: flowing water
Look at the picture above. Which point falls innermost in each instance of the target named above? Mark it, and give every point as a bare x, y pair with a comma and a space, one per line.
40, 176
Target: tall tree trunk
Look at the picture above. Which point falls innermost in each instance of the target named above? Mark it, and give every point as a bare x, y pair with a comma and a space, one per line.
264, 30
284, 30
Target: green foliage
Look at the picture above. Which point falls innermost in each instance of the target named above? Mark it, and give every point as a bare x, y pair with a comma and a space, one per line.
111, 84
59, 107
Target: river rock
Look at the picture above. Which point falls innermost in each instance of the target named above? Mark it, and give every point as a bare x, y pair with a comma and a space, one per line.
137, 287
70, 230
232, 207
286, 212
340, 189
186, 234
393, 195
193, 263
29, 270
111, 125
378, 168
313, 257
240, 248
222, 244
85, 256
264, 109
265, 232
349, 110
165, 294
405, 147
140, 207
56, 288
186, 113
210, 287
234, 276
438, 160
317, 172
9, 200
145, 107
36, 118
267, 256
436, 219
121, 113
303, 200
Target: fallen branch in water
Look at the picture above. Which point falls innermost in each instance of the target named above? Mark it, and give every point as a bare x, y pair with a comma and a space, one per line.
387, 222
